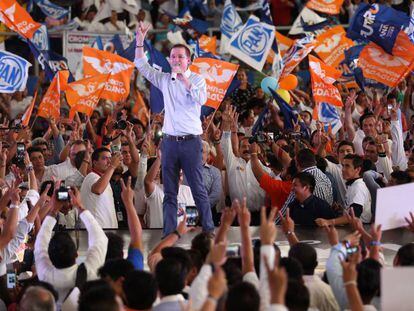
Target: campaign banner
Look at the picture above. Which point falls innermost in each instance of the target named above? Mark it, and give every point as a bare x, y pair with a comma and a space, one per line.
208, 44
377, 23
14, 72
218, 75
52, 10
17, 19
323, 78
329, 115
380, 66
83, 95
230, 24
252, 42
97, 62
299, 50
306, 17
330, 46
49, 107
331, 7
40, 39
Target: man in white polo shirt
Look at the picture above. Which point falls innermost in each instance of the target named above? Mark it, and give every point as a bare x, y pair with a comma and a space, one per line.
96, 191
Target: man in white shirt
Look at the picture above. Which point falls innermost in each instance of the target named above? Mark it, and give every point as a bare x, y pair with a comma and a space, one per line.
154, 192
96, 191
184, 94
55, 256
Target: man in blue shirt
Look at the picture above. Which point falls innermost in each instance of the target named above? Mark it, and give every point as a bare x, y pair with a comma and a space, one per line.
184, 94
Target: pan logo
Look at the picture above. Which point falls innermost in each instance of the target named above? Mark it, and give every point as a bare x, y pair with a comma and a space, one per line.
230, 22
253, 40
12, 74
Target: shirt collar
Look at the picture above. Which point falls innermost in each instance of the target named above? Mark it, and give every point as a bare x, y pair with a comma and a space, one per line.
350, 182
172, 298
187, 73
309, 169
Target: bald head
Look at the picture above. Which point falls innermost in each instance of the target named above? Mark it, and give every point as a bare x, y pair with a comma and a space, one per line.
37, 298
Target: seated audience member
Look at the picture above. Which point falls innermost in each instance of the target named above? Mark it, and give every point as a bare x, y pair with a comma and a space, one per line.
306, 207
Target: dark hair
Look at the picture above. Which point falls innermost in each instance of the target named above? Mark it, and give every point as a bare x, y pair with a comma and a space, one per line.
79, 158
97, 295
116, 268
170, 275
179, 254
293, 268
405, 255
202, 243
62, 250
115, 246
97, 153
145, 297
306, 179
31, 150
179, 45
391, 96
243, 296
305, 158
297, 296
345, 143
274, 162
357, 161
368, 279
321, 163
306, 255
233, 270
401, 177
196, 259
366, 116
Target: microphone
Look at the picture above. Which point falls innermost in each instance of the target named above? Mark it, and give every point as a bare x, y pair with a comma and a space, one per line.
173, 76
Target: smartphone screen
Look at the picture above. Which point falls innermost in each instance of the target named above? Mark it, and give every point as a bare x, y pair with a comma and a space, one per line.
192, 216
233, 251
11, 280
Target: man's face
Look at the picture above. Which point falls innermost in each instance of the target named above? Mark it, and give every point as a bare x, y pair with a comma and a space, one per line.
126, 155
371, 153
103, 162
47, 154
343, 151
241, 76
301, 192
244, 149
179, 60
369, 126
306, 118
74, 150
37, 160
348, 170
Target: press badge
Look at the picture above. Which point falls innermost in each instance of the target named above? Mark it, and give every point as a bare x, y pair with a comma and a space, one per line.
119, 216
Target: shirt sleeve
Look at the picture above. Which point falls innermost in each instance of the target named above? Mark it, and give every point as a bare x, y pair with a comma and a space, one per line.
136, 258
251, 277
59, 144
41, 255
198, 91
334, 274
23, 228
229, 157
268, 252
397, 148
142, 171
97, 243
152, 75
198, 290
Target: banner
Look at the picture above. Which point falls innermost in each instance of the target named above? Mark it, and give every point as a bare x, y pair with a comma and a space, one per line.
83, 95
330, 46
208, 44
218, 75
300, 49
252, 42
283, 43
331, 7
306, 17
17, 19
14, 72
140, 110
323, 78
380, 66
49, 107
329, 116
28, 113
230, 24
97, 62
40, 39
377, 23
52, 10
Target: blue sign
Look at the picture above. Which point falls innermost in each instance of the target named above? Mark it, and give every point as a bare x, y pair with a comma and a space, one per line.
13, 72
230, 21
41, 39
52, 10
377, 23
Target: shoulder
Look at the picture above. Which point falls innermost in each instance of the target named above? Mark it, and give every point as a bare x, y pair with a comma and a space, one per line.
197, 78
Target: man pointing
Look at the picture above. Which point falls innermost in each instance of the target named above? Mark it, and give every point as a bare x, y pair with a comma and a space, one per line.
184, 93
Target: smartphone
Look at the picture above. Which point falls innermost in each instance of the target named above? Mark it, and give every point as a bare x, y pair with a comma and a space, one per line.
11, 280
115, 148
192, 216
233, 251
63, 193
20, 151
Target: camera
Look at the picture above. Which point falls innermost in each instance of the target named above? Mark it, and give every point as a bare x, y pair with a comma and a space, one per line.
120, 125
190, 211
20, 152
233, 251
62, 194
259, 138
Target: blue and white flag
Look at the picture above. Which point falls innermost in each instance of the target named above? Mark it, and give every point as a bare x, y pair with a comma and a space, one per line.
14, 72
410, 29
230, 24
329, 116
41, 39
303, 23
52, 10
252, 42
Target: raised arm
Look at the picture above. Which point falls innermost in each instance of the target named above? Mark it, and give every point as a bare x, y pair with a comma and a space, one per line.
349, 126
101, 184
149, 184
134, 224
10, 225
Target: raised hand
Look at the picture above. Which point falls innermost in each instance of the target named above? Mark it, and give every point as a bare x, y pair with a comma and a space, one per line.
410, 222
141, 33
288, 225
127, 193
268, 230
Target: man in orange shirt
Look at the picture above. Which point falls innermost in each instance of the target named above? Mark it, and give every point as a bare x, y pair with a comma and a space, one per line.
277, 190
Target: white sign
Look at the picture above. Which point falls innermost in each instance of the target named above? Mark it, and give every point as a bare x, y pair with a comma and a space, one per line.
393, 205
396, 290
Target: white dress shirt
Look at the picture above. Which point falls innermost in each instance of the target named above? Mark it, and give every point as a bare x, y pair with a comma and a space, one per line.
321, 295
398, 154
60, 171
358, 193
241, 179
64, 279
182, 106
102, 205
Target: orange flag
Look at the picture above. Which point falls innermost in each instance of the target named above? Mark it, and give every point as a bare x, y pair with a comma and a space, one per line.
140, 110
28, 113
83, 95
50, 104
331, 7
331, 44
17, 19
323, 77
208, 44
218, 75
97, 62
380, 66
295, 55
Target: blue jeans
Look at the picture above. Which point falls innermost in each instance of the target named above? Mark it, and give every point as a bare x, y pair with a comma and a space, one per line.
185, 155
